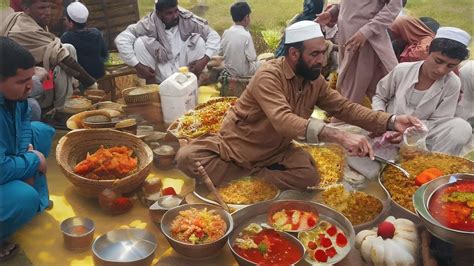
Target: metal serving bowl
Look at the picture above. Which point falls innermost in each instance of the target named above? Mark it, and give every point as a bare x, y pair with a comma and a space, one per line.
78, 233
421, 199
401, 211
199, 250
258, 213
124, 247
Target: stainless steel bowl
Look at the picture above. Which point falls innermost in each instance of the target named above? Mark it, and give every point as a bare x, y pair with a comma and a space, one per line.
398, 210
258, 213
401, 212
124, 247
421, 199
78, 233
374, 189
201, 250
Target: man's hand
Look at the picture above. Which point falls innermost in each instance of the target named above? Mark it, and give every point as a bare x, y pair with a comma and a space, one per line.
357, 145
353, 143
324, 18
402, 122
41, 73
393, 137
356, 42
144, 72
43, 167
197, 66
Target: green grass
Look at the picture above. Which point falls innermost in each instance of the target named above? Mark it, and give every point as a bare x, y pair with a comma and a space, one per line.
454, 13
273, 15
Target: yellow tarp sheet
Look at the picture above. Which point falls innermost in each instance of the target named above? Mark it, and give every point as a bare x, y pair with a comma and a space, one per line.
42, 241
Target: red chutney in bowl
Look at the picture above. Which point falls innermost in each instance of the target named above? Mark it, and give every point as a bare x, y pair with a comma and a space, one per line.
452, 205
272, 249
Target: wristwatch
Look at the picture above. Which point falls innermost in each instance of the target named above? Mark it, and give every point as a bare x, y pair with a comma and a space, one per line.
391, 122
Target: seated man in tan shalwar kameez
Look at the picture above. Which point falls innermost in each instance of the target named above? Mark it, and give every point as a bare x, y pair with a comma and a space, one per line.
29, 29
275, 109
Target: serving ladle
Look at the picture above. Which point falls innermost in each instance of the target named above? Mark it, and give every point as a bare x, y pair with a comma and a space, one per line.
383, 160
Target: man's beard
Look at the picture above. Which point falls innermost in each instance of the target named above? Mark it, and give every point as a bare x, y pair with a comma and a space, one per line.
172, 24
306, 72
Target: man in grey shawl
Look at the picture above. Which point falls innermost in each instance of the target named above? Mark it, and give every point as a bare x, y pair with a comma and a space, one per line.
168, 38
29, 29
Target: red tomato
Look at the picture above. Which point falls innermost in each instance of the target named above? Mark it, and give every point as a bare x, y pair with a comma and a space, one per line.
312, 245
311, 221
168, 191
320, 255
331, 230
341, 240
331, 252
326, 242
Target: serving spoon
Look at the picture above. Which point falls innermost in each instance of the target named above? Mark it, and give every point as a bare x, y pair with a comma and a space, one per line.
207, 180
383, 160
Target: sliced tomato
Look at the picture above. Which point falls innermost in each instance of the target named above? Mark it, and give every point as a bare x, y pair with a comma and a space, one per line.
331, 230
341, 240
320, 255
311, 221
331, 252
312, 245
326, 242
168, 191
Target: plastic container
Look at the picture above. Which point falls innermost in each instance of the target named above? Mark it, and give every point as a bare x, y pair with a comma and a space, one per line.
414, 142
179, 94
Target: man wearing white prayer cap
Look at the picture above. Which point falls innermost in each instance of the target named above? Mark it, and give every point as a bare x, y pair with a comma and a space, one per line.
90, 45
275, 109
430, 91
77, 12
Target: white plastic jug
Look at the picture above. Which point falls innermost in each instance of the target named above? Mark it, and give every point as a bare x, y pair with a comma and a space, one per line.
178, 93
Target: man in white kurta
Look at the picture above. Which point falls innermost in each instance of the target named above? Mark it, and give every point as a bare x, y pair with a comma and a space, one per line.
429, 90
240, 57
168, 38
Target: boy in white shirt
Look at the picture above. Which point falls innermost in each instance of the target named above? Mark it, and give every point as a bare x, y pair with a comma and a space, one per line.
236, 39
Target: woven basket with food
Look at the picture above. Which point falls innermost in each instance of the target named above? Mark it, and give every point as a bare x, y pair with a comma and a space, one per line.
138, 95
95, 159
205, 118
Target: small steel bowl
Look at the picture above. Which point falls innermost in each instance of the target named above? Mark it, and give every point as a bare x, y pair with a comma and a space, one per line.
78, 233
162, 205
130, 247
421, 200
165, 161
199, 251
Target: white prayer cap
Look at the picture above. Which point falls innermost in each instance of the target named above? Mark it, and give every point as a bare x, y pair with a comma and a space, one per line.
454, 34
302, 31
77, 12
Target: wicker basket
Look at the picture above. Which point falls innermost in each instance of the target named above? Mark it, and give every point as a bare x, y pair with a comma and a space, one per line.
73, 147
148, 95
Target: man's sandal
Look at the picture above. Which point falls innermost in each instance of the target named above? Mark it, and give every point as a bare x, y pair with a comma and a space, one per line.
10, 252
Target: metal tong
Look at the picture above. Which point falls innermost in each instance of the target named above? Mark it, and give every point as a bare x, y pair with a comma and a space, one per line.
383, 160
207, 180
